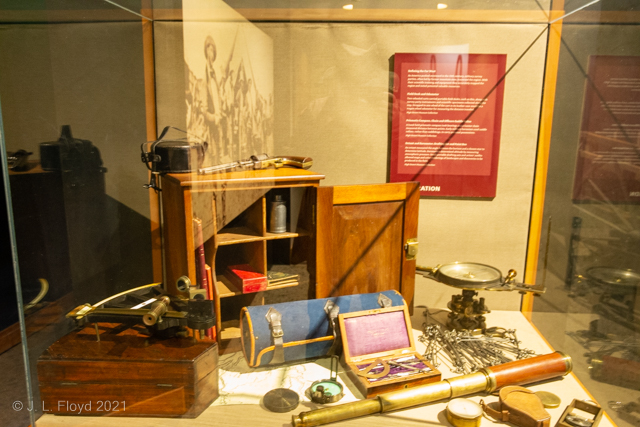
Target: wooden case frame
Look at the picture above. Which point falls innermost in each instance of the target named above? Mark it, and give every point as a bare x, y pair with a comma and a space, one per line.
126, 373
371, 389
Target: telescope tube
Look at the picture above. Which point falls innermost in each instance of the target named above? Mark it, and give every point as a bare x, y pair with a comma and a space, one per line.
525, 371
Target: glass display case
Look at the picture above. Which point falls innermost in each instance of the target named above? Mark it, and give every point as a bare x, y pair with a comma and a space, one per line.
588, 254
168, 164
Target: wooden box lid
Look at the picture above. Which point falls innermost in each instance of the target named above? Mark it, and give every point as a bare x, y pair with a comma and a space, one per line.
126, 356
380, 342
118, 343
376, 333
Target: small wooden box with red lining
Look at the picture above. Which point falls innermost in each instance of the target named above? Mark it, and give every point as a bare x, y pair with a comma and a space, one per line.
246, 279
379, 351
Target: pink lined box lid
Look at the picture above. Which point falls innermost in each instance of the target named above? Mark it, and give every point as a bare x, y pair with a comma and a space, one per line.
376, 333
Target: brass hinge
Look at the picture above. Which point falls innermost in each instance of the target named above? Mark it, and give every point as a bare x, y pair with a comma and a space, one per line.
411, 248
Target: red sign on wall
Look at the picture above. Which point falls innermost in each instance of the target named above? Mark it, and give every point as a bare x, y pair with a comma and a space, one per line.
608, 164
447, 115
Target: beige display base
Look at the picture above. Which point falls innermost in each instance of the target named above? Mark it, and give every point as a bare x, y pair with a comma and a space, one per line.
241, 389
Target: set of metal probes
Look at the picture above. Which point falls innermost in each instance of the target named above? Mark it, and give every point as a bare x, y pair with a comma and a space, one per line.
392, 368
463, 352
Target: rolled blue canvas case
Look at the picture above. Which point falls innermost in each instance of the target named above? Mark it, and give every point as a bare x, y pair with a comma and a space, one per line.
299, 330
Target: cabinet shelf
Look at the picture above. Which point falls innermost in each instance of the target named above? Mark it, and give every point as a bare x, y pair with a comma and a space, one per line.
287, 235
227, 289
235, 235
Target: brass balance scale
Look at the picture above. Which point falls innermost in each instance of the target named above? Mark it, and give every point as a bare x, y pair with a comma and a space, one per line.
467, 311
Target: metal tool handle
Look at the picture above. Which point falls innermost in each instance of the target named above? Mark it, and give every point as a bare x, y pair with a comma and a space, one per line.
157, 310
334, 368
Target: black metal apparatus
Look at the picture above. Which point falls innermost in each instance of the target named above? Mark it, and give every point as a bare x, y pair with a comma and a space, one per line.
166, 155
467, 312
162, 315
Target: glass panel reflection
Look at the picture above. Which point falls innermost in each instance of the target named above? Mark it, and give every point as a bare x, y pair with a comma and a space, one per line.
590, 257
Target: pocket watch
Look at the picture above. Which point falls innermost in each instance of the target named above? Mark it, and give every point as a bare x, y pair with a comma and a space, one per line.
463, 413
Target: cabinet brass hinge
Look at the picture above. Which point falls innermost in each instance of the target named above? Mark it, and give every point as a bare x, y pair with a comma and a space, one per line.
411, 248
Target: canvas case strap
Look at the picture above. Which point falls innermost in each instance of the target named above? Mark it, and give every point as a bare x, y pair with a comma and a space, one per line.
519, 406
332, 311
274, 318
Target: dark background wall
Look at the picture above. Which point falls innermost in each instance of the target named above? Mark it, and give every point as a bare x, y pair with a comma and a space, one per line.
86, 232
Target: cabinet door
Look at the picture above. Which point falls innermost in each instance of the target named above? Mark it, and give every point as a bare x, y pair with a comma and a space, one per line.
361, 235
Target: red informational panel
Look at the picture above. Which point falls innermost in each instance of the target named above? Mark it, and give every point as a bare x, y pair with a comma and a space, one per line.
608, 164
447, 115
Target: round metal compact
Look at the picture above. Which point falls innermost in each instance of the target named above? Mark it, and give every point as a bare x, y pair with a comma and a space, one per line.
464, 413
548, 399
281, 400
327, 391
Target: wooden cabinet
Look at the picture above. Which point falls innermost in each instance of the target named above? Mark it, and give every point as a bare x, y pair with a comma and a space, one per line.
339, 240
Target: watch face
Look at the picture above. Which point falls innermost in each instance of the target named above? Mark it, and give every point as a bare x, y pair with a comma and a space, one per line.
464, 408
326, 391
469, 274
548, 399
329, 387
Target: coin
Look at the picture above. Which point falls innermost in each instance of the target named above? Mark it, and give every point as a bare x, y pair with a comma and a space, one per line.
548, 399
281, 400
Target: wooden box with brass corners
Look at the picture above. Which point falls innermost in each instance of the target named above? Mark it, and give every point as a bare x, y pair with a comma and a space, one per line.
379, 351
127, 373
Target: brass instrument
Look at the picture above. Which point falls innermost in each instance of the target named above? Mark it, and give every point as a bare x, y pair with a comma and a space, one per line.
519, 372
161, 314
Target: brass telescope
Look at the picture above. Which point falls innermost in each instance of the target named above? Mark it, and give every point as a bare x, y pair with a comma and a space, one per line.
488, 380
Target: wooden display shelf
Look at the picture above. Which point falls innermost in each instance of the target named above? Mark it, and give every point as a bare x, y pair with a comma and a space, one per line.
226, 289
235, 235
287, 235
